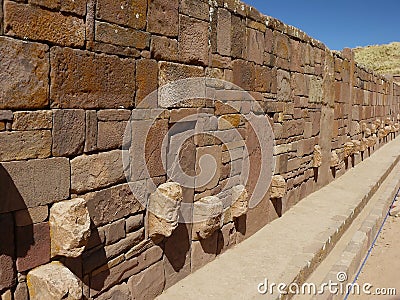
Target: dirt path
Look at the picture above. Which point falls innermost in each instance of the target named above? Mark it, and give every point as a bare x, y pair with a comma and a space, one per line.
382, 269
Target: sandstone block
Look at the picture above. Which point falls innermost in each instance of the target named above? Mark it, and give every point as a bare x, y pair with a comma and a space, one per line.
34, 120
33, 246
111, 204
240, 201
117, 35
40, 24
335, 161
81, 79
53, 282
127, 13
90, 131
114, 232
238, 37
146, 78
283, 85
134, 222
89, 172
163, 17
224, 22
207, 216
163, 48
278, 187
6, 115
243, 74
208, 167
118, 292
18, 145
108, 115
255, 46
69, 227
149, 283
317, 159
197, 9
33, 183
31, 215
7, 271
68, 132
110, 135
163, 209
23, 89
193, 40
75, 6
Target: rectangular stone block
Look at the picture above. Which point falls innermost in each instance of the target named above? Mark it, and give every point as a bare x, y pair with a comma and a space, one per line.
127, 13
7, 271
33, 183
146, 79
149, 283
163, 17
107, 115
244, 74
163, 48
32, 120
18, 145
111, 204
43, 25
114, 231
68, 132
255, 46
90, 131
224, 21
238, 37
81, 79
110, 135
33, 246
31, 216
24, 71
6, 115
117, 35
74, 6
193, 40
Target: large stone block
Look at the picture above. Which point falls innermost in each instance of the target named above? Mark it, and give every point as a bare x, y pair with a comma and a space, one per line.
207, 215
110, 135
278, 187
224, 22
149, 283
193, 40
68, 132
163, 209
53, 282
24, 71
7, 271
89, 172
43, 25
20, 145
69, 227
33, 183
121, 36
163, 17
127, 13
111, 204
75, 6
81, 79
208, 167
255, 46
146, 78
33, 246
244, 74
163, 48
35, 120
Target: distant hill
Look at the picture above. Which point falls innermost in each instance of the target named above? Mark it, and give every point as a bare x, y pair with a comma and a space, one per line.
384, 59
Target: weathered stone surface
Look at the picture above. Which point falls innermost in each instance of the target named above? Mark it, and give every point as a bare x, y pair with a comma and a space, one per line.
7, 295
123, 12
163, 17
32, 120
33, 183
163, 48
224, 32
107, 115
203, 252
134, 222
278, 187
7, 271
20, 145
68, 132
335, 161
31, 215
6, 115
43, 25
21, 88
21, 291
111, 204
255, 46
208, 167
149, 283
317, 158
90, 131
118, 292
81, 79
114, 232
229, 121
197, 9
89, 172
163, 209
243, 74
117, 35
240, 201
33, 246
193, 40
75, 6
283, 85
69, 227
207, 214
110, 135
146, 78
53, 282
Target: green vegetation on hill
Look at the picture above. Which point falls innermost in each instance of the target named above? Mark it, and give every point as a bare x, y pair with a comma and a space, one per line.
384, 59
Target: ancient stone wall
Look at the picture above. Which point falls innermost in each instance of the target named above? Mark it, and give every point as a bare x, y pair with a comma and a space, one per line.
92, 203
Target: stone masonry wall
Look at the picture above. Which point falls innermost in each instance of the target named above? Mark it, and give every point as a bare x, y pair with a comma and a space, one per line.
75, 73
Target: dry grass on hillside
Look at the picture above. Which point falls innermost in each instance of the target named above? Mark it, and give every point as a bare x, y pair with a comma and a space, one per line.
384, 59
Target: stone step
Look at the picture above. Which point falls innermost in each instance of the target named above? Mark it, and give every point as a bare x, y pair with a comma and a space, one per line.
289, 249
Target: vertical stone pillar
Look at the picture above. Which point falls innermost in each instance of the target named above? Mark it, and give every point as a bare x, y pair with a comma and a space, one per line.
327, 117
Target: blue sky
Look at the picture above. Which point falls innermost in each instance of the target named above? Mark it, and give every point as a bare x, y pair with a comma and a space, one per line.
339, 23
